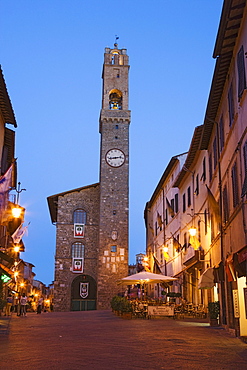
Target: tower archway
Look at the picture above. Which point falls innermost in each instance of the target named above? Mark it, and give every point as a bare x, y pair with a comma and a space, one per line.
83, 293
115, 99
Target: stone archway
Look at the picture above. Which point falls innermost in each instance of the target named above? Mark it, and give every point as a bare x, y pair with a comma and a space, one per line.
83, 293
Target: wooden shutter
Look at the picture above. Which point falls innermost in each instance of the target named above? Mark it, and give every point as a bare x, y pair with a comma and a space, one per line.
241, 72
235, 185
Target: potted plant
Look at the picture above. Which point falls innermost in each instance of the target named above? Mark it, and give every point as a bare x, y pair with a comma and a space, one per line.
214, 311
126, 308
115, 304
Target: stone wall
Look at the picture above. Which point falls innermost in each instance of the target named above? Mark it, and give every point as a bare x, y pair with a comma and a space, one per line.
88, 200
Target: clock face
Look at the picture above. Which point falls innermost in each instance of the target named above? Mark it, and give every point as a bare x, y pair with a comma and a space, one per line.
115, 157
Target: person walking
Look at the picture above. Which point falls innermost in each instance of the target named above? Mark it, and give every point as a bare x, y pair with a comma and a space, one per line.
23, 303
40, 303
9, 305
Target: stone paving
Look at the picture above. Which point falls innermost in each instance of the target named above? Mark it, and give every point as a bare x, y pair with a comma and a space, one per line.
100, 340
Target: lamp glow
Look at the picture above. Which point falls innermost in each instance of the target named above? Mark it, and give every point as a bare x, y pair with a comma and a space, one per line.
16, 248
192, 231
16, 212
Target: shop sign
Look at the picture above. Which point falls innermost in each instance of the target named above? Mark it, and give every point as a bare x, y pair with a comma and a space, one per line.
160, 311
235, 303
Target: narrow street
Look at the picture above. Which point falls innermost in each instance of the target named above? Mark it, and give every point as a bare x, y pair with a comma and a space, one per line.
100, 340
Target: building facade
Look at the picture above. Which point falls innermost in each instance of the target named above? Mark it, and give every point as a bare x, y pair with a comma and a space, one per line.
92, 222
202, 227
11, 213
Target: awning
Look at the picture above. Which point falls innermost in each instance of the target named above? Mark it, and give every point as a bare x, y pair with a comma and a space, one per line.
6, 270
206, 280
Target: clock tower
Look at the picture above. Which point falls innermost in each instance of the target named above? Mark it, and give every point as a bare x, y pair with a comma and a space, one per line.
114, 175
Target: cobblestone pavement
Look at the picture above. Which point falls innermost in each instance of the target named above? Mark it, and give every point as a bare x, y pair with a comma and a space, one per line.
100, 340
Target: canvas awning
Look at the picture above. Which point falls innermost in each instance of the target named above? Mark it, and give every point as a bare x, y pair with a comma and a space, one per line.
206, 280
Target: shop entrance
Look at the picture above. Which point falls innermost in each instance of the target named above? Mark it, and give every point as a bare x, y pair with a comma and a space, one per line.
83, 293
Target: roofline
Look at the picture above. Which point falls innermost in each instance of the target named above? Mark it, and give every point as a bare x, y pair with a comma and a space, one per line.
230, 23
5, 103
53, 199
193, 151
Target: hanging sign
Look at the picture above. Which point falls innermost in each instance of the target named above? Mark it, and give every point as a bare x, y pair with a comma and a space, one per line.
79, 230
77, 265
235, 303
84, 287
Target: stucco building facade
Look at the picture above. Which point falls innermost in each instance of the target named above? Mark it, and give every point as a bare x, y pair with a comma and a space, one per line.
209, 191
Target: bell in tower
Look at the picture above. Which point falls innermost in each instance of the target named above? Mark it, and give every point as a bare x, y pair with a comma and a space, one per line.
115, 99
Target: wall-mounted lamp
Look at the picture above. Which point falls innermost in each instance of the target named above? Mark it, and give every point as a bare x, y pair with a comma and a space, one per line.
16, 211
192, 231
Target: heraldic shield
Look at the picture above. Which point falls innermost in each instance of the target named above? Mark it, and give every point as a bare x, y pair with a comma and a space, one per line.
83, 293
84, 288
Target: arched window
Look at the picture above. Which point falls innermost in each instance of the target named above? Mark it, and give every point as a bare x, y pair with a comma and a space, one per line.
79, 216
115, 99
77, 250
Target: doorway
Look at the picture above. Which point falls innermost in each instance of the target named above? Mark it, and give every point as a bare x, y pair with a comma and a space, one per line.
83, 293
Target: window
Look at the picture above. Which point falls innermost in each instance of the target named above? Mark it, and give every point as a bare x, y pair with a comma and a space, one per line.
199, 230
245, 156
225, 205
206, 221
189, 196
241, 72
113, 248
79, 216
77, 250
212, 227
244, 188
235, 185
210, 167
221, 134
115, 99
231, 106
197, 185
184, 203
176, 203
203, 178
215, 153
185, 241
172, 204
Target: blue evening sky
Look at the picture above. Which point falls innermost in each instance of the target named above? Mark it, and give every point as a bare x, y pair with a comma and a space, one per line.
51, 53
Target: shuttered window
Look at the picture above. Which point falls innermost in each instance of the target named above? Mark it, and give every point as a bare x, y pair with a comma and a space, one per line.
210, 167
176, 203
189, 196
215, 153
245, 156
241, 72
203, 177
221, 134
231, 106
8, 150
225, 205
184, 203
235, 194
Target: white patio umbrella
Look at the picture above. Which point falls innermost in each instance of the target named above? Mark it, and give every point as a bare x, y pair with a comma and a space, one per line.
145, 277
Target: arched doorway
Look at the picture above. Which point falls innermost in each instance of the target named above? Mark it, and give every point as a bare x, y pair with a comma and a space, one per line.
83, 293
